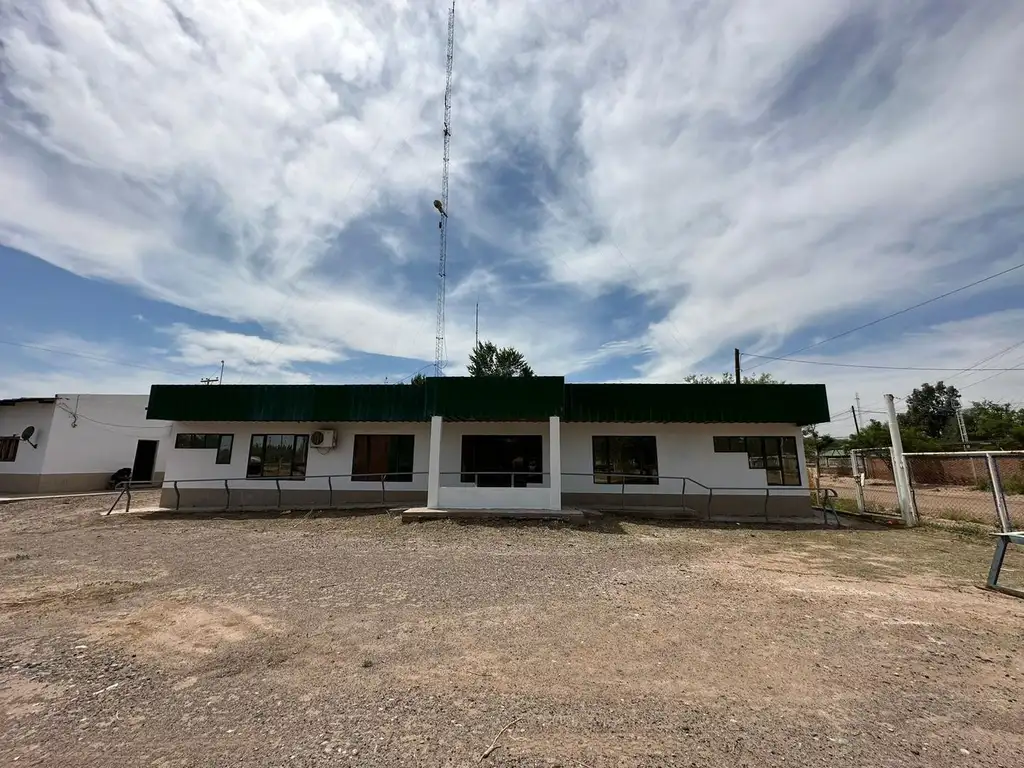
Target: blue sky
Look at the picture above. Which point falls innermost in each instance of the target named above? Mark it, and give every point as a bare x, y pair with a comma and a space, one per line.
636, 189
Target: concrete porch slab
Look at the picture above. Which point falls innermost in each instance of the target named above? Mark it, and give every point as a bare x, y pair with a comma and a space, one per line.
426, 513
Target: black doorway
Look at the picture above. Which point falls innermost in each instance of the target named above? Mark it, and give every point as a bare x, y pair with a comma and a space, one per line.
145, 460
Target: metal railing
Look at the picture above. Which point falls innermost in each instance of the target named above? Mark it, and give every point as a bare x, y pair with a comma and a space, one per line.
360, 477
687, 485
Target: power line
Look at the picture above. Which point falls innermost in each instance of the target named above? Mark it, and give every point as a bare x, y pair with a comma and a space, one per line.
892, 315
874, 367
990, 357
92, 357
987, 378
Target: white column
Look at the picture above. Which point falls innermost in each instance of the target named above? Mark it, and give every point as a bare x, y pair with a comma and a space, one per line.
555, 463
434, 464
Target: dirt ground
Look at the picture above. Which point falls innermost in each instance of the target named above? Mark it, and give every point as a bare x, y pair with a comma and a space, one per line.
292, 641
944, 502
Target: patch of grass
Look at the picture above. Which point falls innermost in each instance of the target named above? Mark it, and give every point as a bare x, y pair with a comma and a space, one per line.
1012, 485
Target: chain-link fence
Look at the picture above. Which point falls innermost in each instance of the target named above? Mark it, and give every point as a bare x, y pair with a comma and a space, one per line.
951, 486
878, 490
959, 486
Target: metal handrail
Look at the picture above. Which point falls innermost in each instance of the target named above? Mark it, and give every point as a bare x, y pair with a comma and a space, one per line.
383, 479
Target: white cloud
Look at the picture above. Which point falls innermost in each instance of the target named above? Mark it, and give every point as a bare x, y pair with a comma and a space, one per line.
744, 170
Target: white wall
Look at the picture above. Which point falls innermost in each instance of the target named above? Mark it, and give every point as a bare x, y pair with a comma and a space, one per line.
684, 450
199, 464
99, 434
14, 419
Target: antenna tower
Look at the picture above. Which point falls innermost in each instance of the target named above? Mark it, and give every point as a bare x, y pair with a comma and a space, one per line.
440, 353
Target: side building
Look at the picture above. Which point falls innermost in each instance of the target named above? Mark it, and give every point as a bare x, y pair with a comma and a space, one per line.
74, 443
488, 443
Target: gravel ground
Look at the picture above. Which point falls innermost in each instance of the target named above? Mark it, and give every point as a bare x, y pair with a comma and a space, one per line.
154, 640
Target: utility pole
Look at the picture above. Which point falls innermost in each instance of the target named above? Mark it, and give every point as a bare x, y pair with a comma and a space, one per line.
476, 334
856, 424
860, 413
899, 466
221, 379
736, 362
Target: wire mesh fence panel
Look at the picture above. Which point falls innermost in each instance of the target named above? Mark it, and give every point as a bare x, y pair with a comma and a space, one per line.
958, 486
879, 488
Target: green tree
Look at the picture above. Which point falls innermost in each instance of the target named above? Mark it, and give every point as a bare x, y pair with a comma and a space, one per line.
418, 380
487, 359
994, 424
875, 434
728, 378
931, 410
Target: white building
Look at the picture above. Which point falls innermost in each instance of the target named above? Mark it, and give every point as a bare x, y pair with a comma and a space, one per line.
71, 443
471, 443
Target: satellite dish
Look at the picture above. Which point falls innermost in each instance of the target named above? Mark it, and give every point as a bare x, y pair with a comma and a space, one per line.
26, 435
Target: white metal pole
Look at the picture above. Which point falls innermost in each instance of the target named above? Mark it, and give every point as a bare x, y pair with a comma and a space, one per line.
899, 466
997, 493
858, 478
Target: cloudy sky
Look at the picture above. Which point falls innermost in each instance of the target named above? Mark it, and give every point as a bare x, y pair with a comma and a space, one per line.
636, 189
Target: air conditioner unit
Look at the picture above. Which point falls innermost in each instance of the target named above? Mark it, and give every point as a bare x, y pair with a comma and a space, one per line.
322, 438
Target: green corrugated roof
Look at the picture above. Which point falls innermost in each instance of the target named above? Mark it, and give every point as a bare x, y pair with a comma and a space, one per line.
494, 399
286, 402
702, 403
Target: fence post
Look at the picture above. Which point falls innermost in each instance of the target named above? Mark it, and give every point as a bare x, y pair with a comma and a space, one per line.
899, 467
997, 493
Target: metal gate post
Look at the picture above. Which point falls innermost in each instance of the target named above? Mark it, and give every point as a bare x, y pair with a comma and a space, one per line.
997, 493
857, 473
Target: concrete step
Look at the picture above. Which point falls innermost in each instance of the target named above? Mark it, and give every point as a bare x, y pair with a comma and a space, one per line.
426, 513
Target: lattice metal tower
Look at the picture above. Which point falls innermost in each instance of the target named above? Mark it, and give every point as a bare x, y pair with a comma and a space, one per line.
440, 352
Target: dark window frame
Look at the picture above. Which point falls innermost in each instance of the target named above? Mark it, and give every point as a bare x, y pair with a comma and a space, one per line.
296, 470
474, 452
400, 450
222, 443
776, 455
606, 473
7, 452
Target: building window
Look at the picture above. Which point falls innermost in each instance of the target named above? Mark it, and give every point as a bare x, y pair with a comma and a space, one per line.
9, 448
502, 461
777, 456
383, 457
277, 456
220, 443
626, 460
730, 445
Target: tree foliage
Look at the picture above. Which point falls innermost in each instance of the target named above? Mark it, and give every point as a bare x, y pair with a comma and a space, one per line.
728, 378
991, 424
487, 359
931, 410
929, 423
418, 380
